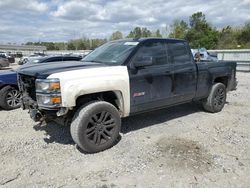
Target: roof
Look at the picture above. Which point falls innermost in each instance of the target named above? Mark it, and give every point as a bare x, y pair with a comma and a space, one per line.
150, 38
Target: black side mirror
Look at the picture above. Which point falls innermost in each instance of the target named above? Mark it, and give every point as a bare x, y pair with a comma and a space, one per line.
143, 61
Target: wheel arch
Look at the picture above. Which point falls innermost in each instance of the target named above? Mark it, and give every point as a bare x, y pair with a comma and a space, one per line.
222, 79
113, 97
12, 85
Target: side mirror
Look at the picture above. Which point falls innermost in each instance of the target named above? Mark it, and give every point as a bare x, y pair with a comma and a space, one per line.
143, 61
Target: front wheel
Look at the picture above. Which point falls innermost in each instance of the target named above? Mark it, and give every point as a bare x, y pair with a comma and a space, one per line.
96, 126
216, 99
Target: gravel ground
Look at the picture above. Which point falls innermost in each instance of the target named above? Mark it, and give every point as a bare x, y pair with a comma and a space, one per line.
176, 147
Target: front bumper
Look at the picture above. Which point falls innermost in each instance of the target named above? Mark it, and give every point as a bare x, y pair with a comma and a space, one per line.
37, 113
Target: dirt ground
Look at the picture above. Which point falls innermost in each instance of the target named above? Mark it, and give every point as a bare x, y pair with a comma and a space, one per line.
181, 146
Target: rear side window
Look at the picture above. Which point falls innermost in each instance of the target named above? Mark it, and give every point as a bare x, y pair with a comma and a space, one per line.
179, 53
156, 50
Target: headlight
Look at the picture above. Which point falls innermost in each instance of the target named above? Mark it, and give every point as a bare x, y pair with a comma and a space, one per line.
48, 100
47, 85
48, 92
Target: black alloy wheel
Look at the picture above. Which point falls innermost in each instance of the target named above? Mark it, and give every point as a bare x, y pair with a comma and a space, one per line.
100, 128
216, 99
219, 98
96, 126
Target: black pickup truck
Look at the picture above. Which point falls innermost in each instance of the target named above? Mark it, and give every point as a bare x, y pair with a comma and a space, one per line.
119, 79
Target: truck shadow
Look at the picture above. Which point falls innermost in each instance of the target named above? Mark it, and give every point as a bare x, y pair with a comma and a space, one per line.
60, 134
55, 133
141, 121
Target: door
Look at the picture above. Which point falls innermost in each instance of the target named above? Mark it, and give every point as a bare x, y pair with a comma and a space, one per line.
185, 71
150, 86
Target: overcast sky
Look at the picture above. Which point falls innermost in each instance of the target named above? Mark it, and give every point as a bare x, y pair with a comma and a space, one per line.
61, 20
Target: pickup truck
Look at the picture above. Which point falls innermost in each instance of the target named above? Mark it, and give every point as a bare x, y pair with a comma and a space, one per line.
119, 79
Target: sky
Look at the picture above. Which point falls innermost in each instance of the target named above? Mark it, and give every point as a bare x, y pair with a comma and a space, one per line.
61, 20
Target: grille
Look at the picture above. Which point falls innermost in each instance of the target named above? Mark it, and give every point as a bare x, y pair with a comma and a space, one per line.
27, 85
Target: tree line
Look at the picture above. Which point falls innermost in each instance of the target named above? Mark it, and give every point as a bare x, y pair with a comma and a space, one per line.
198, 32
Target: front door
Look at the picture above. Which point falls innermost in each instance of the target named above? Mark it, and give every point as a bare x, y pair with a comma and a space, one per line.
151, 86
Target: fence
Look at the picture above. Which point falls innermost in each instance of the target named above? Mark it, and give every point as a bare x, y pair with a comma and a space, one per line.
25, 50
242, 57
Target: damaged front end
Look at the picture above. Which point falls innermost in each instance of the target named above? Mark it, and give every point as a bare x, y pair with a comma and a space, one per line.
42, 97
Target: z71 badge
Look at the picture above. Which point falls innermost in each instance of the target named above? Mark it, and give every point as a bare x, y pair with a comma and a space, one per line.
139, 94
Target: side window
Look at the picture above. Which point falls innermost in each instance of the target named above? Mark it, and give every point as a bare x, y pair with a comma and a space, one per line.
156, 50
179, 52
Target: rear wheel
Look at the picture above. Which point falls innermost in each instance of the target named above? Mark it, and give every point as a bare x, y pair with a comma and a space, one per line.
10, 98
216, 99
96, 126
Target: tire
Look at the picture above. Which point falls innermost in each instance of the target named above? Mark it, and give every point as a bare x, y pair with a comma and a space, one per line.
10, 98
216, 99
96, 126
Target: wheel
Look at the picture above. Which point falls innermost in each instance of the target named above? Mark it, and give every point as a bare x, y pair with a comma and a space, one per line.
216, 99
10, 98
96, 126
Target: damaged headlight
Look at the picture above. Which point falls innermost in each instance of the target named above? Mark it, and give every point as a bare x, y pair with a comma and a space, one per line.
48, 85
48, 100
48, 93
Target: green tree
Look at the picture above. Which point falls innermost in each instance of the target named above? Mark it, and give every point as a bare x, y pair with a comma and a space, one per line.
157, 33
244, 36
50, 45
116, 35
71, 46
139, 32
227, 38
179, 29
145, 32
201, 33
135, 33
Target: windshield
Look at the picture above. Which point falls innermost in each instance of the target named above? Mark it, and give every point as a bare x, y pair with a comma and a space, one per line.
111, 53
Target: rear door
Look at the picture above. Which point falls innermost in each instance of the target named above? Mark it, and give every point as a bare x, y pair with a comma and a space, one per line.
151, 86
185, 71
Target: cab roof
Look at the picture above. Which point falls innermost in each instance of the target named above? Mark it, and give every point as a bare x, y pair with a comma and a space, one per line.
151, 38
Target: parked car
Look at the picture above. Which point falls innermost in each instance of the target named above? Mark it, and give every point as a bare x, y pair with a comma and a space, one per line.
53, 58
26, 59
9, 57
9, 92
4, 62
119, 79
